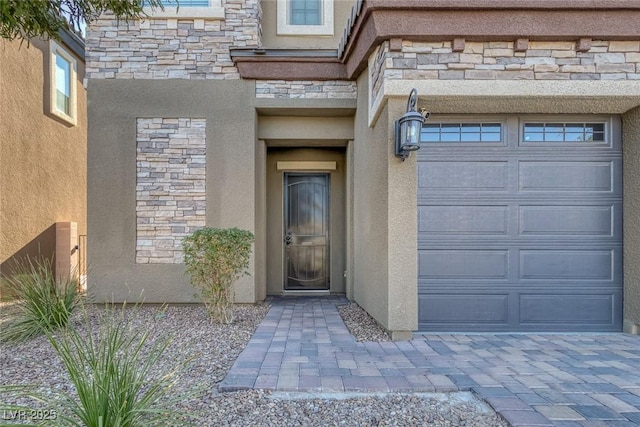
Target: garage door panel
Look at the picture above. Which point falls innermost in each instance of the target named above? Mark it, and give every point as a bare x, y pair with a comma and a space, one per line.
460, 176
567, 264
566, 176
494, 311
465, 308
567, 220
463, 219
569, 308
454, 264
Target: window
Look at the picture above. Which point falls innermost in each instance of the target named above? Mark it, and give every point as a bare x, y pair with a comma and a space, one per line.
194, 3
182, 3
305, 12
461, 132
305, 17
564, 132
197, 9
63, 71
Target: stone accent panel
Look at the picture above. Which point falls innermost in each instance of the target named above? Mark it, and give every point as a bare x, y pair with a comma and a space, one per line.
170, 187
172, 48
305, 89
585, 59
377, 70
558, 60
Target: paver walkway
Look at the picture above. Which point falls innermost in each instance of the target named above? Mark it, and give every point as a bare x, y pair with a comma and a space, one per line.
531, 380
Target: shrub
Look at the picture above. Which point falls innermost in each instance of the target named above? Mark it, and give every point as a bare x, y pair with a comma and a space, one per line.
215, 259
43, 302
116, 375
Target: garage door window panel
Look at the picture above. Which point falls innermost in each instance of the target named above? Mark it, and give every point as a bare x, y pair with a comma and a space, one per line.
473, 133
564, 133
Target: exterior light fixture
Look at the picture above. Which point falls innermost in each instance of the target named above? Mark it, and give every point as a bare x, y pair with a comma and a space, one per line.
408, 128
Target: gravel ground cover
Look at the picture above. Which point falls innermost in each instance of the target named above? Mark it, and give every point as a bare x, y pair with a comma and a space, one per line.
212, 350
362, 326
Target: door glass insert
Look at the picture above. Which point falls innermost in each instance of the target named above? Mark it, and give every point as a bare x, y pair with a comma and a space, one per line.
306, 239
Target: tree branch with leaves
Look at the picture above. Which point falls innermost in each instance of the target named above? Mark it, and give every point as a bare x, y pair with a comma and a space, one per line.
24, 19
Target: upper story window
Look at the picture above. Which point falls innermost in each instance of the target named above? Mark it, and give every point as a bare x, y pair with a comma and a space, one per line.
211, 9
63, 75
182, 3
305, 17
305, 12
194, 3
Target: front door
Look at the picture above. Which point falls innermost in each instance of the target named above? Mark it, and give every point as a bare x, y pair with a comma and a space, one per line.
306, 228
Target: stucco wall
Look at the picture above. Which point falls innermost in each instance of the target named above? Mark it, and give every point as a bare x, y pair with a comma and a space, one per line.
403, 229
385, 220
271, 40
370, 211
42, 159
631, 159
230, 179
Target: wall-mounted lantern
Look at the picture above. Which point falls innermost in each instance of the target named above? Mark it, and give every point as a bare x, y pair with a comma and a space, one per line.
408, 128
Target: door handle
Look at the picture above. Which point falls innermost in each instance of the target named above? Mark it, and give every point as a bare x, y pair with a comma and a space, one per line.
288, 238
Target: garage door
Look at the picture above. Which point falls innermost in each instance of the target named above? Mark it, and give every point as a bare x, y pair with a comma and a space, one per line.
520, 224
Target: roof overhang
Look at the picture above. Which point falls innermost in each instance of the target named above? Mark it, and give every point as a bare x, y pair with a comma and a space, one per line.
374, 21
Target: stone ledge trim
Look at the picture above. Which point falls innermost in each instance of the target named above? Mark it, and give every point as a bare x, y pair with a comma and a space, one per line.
305, 89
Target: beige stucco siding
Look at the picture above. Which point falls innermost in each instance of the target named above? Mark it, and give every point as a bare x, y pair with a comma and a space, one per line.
230, 179
271, 40
370, 211
42, 159
631, 159
385, 221
403, 229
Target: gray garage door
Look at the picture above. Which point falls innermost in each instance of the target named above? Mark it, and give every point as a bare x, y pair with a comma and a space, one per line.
520, 224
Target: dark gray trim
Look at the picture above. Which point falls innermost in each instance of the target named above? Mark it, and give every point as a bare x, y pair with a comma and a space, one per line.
74, 42
284, 53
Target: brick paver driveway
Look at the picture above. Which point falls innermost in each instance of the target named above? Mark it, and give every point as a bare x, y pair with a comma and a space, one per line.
530, 379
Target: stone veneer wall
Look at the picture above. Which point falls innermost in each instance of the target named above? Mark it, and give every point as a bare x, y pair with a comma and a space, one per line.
306, 89
531, 60
170, 187
172, 48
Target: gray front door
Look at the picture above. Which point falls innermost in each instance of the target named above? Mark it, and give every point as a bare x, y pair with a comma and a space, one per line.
306, 228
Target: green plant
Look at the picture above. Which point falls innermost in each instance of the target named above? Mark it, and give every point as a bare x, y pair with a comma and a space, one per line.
215, 258
11, 411
43, 301
116, 375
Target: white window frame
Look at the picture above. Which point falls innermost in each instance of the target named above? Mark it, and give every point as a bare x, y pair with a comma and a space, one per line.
214, 11
56, 50
287, 29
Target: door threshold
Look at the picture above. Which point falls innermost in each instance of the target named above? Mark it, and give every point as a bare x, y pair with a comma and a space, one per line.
310, 293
